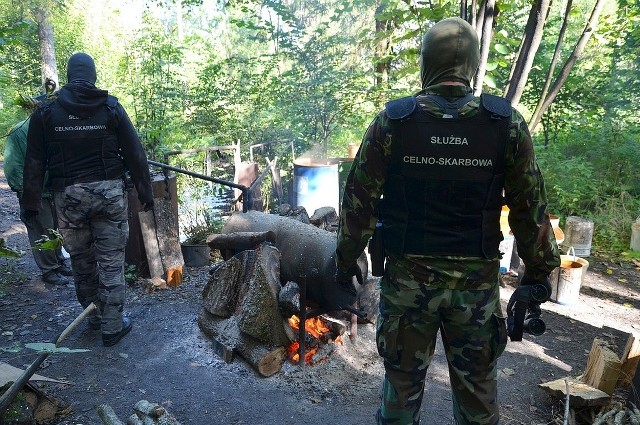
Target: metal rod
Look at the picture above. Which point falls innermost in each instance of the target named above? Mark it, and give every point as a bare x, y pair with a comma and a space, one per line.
360, 313
260, 178
243, 188
303, 318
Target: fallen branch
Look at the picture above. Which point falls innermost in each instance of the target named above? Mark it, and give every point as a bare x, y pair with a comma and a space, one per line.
14, 389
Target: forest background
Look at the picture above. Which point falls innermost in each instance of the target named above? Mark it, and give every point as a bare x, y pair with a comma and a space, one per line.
308, 76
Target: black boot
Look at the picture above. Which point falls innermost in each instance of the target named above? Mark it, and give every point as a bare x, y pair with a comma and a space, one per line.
112, 339
55, 278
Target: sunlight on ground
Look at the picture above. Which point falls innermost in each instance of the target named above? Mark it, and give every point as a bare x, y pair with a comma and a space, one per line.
531, 349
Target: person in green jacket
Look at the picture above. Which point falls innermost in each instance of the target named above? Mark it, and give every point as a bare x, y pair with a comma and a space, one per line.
53, 265
434, 170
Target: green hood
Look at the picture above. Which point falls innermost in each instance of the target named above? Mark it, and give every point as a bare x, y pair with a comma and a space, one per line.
450, 52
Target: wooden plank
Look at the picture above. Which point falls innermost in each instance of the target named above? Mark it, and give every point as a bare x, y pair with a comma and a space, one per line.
150, 240
580, 394
630, 359
168, 240
603, 368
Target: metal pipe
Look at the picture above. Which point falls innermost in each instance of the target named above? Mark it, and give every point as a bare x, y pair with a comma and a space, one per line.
360, 313
243, 188
303, 318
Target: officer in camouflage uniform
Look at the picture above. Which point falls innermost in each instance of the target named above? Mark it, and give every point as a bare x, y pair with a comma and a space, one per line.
432, 168
85, 140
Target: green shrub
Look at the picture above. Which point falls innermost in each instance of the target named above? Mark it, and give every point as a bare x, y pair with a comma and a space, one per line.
594, 173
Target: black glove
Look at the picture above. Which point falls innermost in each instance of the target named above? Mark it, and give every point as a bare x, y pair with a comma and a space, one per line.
345, 279
30, 214
540, 289
148, 206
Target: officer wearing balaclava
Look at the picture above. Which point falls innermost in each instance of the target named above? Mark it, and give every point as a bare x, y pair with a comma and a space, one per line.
86, 141
433, 171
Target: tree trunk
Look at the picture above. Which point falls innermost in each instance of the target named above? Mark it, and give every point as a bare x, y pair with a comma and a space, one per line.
528, 49
485, 44
474, 7
554, 60
48, 65
478, 22
588, 31
381, 50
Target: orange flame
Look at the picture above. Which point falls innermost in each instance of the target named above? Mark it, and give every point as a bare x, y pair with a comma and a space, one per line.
314, 326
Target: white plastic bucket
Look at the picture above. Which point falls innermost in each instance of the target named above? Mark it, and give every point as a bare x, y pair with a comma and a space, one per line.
506, 248
634, 244
566, 280
578, 233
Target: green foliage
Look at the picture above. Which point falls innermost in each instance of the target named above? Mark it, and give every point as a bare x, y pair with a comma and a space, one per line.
50, 348
569, 181
593, 172
153, 69
612, 222
302, 73
6, 251
204, 223
199, 217
52, 240
130, 273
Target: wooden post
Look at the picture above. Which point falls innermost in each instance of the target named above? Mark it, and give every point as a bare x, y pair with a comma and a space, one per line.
276, 182
208, 164
148, 229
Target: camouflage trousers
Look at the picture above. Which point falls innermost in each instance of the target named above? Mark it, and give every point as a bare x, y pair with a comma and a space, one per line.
92, 219
473, 333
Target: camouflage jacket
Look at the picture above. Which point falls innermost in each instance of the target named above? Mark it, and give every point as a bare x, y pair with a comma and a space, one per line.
524, 193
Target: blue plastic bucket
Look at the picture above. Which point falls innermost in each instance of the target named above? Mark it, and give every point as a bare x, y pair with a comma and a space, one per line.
315, 184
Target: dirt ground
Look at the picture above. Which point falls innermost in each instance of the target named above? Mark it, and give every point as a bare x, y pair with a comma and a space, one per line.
166, 359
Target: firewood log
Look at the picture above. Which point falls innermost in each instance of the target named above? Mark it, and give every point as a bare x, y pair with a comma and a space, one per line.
107, 415
265, 359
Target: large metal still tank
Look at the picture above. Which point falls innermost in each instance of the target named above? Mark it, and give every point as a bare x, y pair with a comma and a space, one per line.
315, 183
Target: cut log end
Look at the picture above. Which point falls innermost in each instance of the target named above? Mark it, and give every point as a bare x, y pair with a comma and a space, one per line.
272, 361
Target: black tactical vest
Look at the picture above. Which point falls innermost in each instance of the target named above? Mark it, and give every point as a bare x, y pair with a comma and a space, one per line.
81, 150
443, 193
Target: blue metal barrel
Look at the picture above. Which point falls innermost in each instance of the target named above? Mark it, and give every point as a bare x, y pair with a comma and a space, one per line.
315, 183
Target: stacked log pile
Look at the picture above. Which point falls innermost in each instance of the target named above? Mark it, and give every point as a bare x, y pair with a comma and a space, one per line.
251, 294
241, 313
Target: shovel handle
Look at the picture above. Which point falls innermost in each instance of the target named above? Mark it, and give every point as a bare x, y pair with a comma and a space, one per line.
14, 389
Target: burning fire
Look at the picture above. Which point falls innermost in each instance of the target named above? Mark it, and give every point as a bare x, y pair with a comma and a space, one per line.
321, 333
